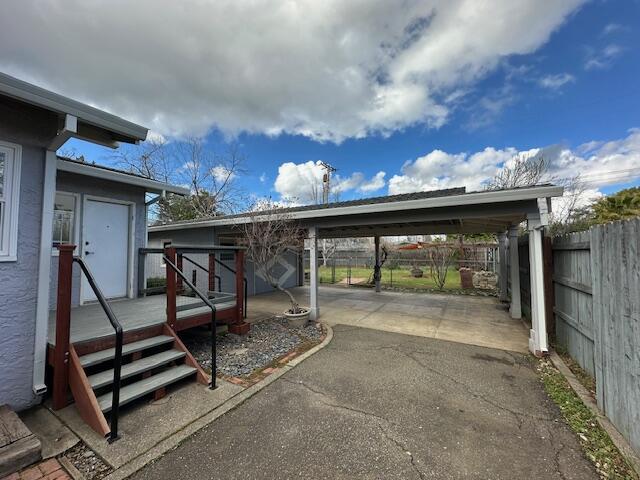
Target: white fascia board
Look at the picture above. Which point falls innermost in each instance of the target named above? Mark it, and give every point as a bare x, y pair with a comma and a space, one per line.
41, 97
152, 186
501, 196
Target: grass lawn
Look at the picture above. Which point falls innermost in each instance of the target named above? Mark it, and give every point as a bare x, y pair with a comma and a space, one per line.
400, 277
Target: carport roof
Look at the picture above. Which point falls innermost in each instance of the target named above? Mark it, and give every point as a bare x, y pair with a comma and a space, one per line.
438, 211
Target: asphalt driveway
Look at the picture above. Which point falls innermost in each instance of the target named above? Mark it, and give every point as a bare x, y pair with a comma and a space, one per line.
382, 405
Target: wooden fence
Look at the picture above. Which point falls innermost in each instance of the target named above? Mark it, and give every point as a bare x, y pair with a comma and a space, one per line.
595, 305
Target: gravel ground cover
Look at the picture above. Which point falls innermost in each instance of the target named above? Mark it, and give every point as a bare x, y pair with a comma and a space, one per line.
87, 462
240, 356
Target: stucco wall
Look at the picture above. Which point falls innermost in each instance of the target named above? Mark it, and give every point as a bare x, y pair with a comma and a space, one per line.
82, 185
18, 280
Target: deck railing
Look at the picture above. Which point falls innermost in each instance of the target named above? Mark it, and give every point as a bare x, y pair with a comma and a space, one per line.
205, 299
175, 291
63, 328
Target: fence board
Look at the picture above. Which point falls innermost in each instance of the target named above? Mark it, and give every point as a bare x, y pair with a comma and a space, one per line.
616, 304
573, 310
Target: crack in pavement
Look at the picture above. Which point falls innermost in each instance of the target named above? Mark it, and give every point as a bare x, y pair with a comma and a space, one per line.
517, 415
324, 399
402, 447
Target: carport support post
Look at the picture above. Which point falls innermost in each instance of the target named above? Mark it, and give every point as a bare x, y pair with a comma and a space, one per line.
514, 267
538, 333
377, 274
313, 274
502, 251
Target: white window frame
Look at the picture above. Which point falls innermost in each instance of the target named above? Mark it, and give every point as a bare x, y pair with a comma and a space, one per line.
11, 194
76, 220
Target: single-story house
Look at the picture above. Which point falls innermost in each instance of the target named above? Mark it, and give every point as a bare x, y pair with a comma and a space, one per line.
45, 201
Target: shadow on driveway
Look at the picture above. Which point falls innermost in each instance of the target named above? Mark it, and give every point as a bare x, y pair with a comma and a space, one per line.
382, 405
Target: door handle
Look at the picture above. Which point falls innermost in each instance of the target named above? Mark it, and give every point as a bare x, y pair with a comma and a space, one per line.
87, 252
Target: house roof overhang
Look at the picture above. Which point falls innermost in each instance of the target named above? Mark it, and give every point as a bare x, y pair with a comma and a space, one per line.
474, 212
113, 175
76, 119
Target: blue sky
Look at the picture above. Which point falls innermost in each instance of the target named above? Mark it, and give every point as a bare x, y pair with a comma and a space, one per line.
570, 78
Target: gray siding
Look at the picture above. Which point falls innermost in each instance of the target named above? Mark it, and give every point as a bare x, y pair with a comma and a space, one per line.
207, 236
18, 280
73, 183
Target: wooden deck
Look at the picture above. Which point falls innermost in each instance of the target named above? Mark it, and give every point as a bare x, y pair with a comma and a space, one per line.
89, 322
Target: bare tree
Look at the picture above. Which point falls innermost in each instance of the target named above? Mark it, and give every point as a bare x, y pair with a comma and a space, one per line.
440, 259
211, 176
520, 172
328, 247
270, 232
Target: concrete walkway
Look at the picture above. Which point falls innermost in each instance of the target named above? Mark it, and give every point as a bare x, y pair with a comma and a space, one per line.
474, 320
375, 404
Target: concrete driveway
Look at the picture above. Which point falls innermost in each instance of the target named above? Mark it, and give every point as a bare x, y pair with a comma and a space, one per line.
475, 320
382, 405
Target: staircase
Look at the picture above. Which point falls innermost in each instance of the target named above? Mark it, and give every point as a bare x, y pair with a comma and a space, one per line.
148, 366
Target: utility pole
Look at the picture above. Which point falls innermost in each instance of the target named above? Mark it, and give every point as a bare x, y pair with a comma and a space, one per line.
326, 181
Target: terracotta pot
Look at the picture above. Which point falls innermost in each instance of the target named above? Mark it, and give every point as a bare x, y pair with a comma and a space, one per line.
298, 319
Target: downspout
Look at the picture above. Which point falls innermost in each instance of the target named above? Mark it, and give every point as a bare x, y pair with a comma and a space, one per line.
44, 273
69, 128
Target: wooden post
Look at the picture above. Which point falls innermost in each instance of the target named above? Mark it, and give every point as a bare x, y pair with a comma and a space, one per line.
212, 272
63, 325
502, 264
514, 267
239, 326
179, 285
170, 252
239, 284
549, 300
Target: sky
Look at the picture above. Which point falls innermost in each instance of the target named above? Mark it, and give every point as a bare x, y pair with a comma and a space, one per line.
398, 96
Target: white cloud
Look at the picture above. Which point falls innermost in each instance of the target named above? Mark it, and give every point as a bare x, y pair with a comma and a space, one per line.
375, 183
556, 81
263, 177
222, 174
328, 70
302, 182
602, 58
598, 163
611, 28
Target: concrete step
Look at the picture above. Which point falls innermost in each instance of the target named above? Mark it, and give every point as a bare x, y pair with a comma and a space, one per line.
146, 386
103, 355
137, 367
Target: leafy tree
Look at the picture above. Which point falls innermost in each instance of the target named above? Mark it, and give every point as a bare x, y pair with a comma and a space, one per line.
619, 206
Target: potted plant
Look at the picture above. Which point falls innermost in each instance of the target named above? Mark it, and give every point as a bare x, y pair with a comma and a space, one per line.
268, 234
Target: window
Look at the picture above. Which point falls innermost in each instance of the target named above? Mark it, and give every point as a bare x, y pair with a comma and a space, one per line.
10, 158
64, 218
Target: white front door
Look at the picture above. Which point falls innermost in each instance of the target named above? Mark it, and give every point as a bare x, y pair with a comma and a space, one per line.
105, 247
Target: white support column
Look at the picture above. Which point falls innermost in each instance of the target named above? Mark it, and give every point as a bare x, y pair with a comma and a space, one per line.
377, 272
502, 263
538, 333
313, 280
514, 267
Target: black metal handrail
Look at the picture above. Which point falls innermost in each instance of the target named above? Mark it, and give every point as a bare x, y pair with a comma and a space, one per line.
244, 281
206, 300
117, 367
184, 257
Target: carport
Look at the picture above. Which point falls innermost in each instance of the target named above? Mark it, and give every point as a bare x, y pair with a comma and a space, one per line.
450, 211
